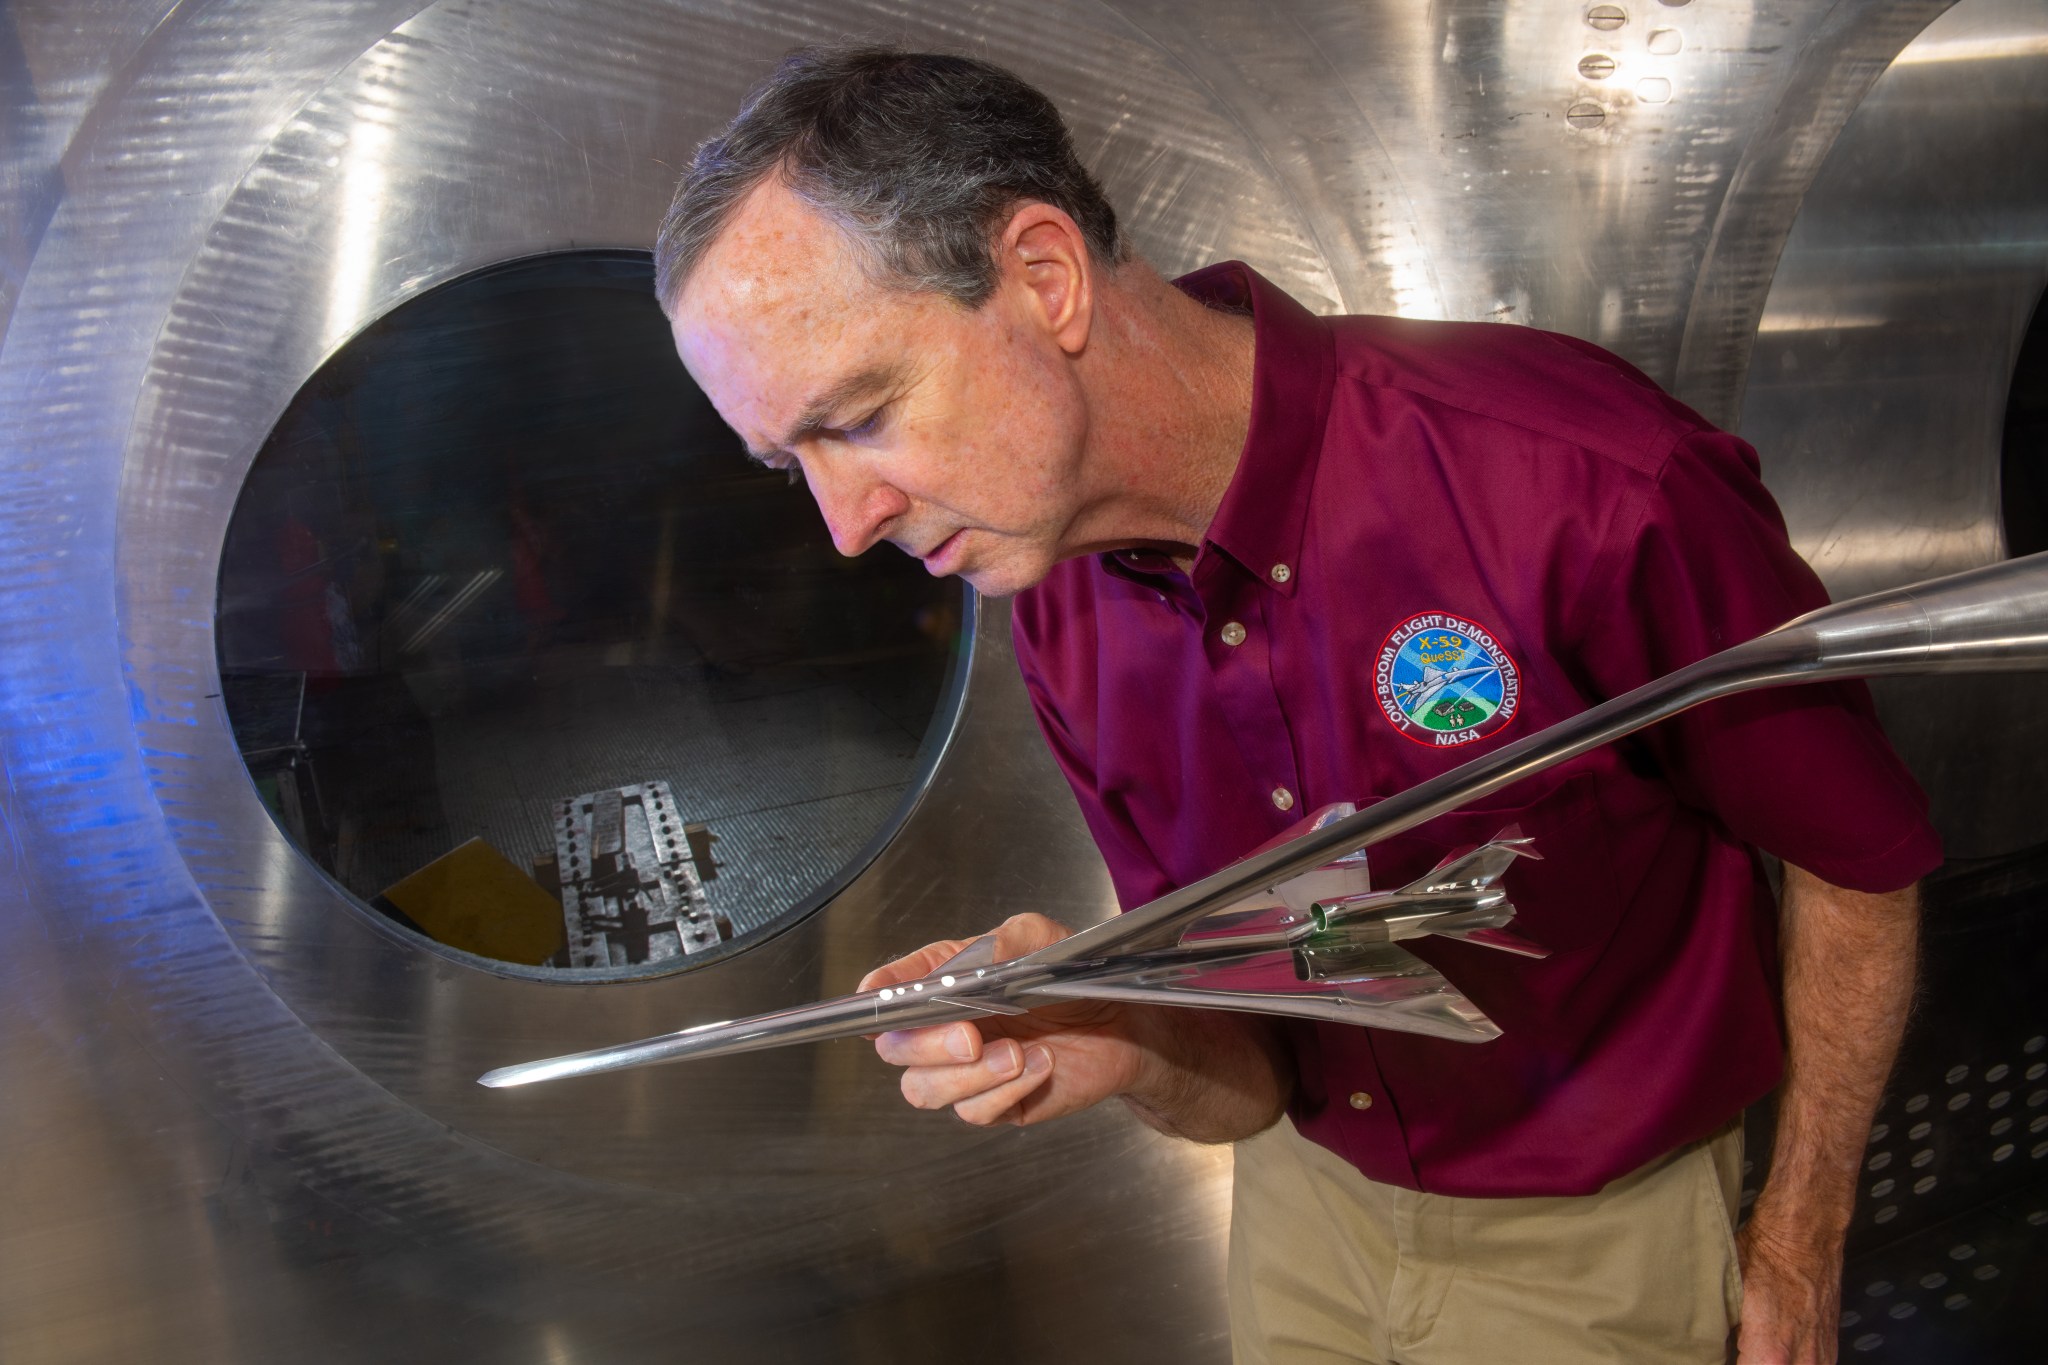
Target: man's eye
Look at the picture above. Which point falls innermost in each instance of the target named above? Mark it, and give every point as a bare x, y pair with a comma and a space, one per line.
867, 427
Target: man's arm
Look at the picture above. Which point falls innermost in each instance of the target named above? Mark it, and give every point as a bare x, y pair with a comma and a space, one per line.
1205, 1075
1849, 961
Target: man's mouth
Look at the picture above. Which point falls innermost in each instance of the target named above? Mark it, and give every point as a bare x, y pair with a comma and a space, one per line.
937, 560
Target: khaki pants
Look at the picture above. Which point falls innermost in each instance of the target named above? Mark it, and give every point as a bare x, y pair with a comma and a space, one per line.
1327, 1266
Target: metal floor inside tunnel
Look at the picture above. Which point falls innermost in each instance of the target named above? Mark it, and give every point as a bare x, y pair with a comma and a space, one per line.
792, 782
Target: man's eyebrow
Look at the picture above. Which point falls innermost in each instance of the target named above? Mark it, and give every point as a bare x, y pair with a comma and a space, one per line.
812, 418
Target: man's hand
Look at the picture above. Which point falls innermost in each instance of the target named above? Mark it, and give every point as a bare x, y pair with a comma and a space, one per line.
1192, 1073
1010, 1068
1848, 963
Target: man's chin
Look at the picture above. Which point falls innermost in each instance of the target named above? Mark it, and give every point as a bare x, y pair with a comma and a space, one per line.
1004, 578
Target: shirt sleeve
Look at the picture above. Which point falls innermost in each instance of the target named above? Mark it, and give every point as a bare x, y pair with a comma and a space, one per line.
1802, 772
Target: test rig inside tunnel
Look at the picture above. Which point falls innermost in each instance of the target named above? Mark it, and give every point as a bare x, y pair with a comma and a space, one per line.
402, 674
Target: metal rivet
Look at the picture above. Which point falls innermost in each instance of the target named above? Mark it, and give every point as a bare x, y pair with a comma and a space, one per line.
1877, 1289
1653, 90
1666, 42
1922, 1157
1999, 1100
1360, 1100
1887, 1213
1903, 1310
1596, 66
1956, 1301
1283, 798
1607, 18
1998, 1073
2003, 1152
1585, 116
1878, 1162
1232, 633
1916, 1104
1869, 1341
1959, 1101
1878, 1133
1881, 1189
1924, 1184
1985, 1272
1280, 573
1957, 1074
1919, 1130
1933, 1281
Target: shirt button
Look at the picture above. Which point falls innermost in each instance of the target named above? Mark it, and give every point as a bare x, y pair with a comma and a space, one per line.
1281, 573
1283, 798
1360, 1100
1233, 633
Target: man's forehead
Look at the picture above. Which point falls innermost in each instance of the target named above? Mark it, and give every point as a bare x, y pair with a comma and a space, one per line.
777, 311
775, 252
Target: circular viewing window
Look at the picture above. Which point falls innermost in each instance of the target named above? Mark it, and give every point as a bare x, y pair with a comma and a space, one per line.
521, 649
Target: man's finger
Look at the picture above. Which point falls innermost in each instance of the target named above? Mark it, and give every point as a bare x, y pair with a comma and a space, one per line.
993, 1106
917, 965
936, 1087
938, 1045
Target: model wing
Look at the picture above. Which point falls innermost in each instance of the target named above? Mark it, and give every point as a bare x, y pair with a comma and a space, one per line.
1394, 989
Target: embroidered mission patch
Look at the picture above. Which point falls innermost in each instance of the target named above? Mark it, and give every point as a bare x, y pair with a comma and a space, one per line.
1442, 680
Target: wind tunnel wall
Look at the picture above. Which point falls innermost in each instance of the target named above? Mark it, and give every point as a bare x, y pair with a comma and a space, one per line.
240, 1119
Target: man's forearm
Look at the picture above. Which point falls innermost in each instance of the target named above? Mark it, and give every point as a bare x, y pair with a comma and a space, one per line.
1210, 1076
1849, 960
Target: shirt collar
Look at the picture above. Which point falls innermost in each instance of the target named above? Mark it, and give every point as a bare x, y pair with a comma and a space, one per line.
1265, 508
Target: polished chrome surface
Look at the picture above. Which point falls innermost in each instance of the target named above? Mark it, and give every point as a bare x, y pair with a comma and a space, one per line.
241, 1123
1878, 393
1237, 966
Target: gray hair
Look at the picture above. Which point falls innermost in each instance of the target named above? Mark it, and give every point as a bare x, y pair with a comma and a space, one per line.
920, 158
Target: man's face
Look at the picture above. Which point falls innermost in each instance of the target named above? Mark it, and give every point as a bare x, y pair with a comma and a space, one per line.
956, 435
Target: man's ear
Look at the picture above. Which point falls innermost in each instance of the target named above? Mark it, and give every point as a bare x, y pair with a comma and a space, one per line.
1044, 255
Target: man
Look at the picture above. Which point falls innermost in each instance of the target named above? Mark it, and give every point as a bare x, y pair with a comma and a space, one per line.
1235, 532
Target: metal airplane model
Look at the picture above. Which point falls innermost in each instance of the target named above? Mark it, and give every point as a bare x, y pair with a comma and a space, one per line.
1296, 929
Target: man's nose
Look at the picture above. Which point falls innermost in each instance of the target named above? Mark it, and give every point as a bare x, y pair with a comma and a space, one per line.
857, 507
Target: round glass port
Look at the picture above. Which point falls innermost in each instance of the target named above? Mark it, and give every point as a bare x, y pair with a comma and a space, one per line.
522, 650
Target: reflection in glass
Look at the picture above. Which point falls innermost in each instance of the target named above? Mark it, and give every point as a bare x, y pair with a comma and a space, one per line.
522, 650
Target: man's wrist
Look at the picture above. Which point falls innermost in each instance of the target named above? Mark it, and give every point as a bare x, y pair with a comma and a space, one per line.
1204, 1076
1801, 1220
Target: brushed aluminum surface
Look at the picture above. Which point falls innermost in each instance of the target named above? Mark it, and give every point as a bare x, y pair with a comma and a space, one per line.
241, 1124
1878, 393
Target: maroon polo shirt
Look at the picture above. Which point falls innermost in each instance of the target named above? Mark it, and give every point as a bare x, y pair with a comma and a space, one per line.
1530, 514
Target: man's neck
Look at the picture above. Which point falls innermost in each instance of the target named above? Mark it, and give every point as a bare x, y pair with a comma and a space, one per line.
1169, 386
